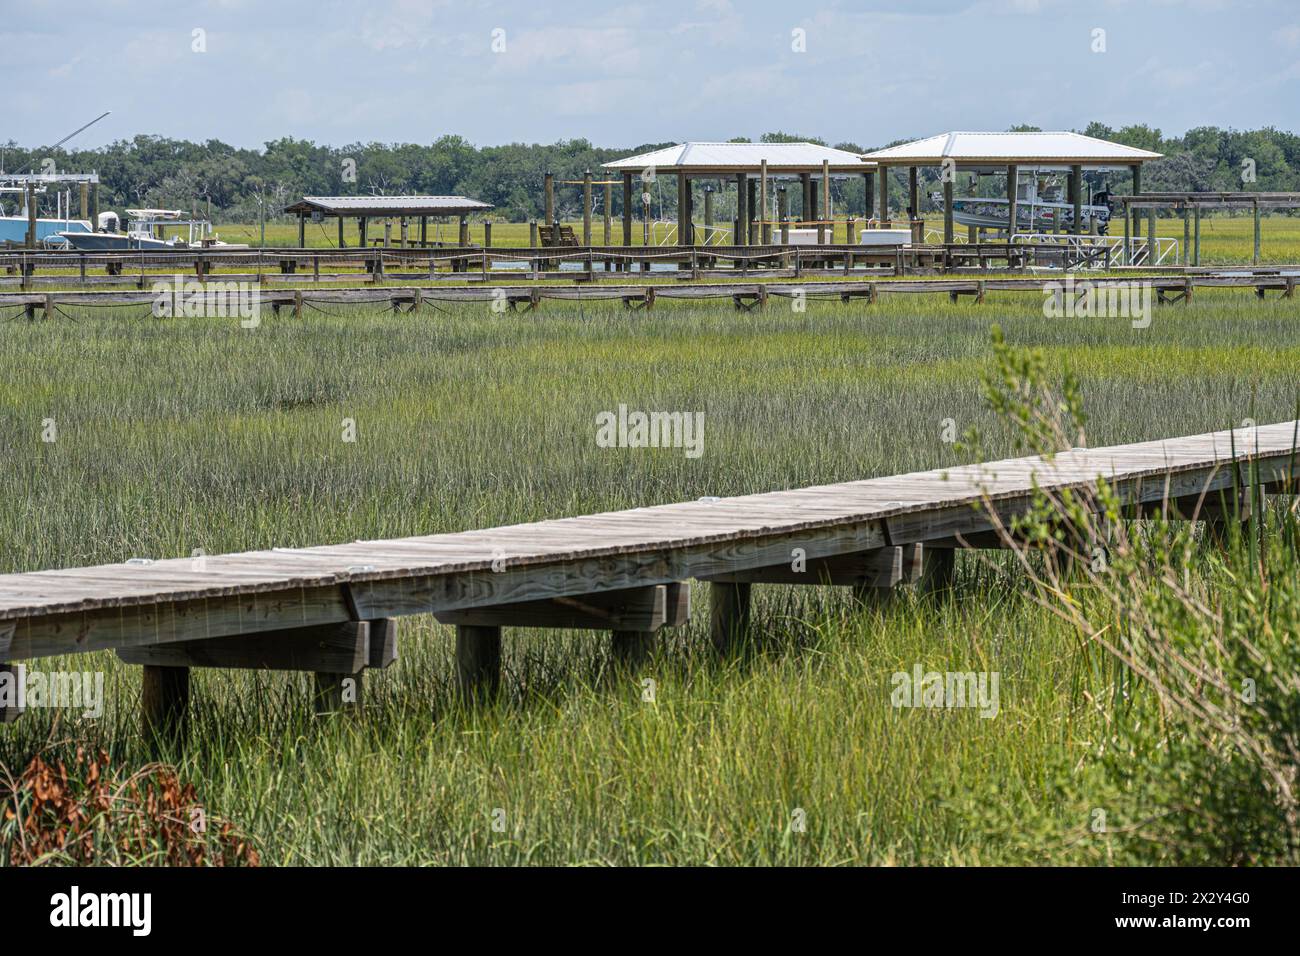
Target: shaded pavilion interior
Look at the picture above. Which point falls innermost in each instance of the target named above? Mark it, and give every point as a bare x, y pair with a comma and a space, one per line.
759, 172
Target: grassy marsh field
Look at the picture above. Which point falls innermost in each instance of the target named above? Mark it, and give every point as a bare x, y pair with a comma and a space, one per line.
1224, 238
183, 434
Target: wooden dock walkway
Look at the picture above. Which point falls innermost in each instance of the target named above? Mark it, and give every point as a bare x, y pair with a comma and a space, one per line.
743, 295
330, 609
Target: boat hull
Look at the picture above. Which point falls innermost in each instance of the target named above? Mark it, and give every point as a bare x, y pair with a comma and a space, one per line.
113, 242
1035, 217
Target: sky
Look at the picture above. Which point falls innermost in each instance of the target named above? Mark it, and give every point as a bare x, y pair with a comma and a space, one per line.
622, 74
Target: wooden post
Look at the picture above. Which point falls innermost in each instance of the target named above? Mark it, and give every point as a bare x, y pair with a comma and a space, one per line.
463, 237
627, 210
783, 214
683, 225
814, 207
164, 703
424, 232
548, 180
884, 195
586, 207
1187, 237
913, 194
826, 199
708, 211
631, 649
1257, 236
752, 211
388, 233
478, 661
1076, 190
1151, 236
487, 234
765, 227
1013, 179
937, 568
332, 693
868, 189
608, 211
729, 615
363, 230
1196, 238
342, 244
85, 200
403, 230
31, 215
741, 238
94, 206
302, 231
947, 211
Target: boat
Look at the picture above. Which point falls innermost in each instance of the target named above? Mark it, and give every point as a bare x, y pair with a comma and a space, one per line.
1041, 206
147, 229
50, 230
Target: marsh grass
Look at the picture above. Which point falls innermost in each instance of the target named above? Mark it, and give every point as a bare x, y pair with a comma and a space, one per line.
183, 434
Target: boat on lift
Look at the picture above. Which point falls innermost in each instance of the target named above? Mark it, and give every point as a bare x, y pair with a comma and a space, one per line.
1041, 206
147, 229
49, 229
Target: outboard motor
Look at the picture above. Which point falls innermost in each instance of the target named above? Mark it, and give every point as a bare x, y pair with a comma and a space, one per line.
108, 222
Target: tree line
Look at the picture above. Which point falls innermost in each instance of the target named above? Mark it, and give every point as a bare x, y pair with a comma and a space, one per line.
241, 185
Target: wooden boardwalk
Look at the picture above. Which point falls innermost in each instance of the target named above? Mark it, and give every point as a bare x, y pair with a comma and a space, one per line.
743, 295
329, 609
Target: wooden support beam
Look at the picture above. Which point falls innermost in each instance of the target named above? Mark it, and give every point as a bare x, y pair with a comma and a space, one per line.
826, 199
1257, 234
632, 609
478, 662
548, 185
342, 244
741, 238
164, 704
328, 649
607, 213
728, 615
868, 191
878, 568
765, 230
913, 194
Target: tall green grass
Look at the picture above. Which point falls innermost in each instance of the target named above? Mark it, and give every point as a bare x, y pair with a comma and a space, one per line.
183, 434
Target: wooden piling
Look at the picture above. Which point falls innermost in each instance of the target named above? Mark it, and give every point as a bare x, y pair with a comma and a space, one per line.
631, 649
627, 211
608, 213
1076, 196
1013, 179
729, 615
1257, 233
741, 238
164, 704
826, 198
478, 661
765, 227
548, 181
31, 216
947, 211
883, 172
586, 207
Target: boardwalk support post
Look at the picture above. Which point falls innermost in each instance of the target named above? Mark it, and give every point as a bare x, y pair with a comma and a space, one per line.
164, 703
728, 615
478, 661
938, 566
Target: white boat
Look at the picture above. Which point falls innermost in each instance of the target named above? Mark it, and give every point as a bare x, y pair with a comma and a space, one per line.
147, 229
1041, 206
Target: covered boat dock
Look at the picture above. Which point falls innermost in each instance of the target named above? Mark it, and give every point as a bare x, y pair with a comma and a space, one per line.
752, 167
986, 153
404, 208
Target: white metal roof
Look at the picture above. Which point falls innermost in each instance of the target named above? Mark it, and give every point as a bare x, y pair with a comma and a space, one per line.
742, 156
428, 205
1044, 147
